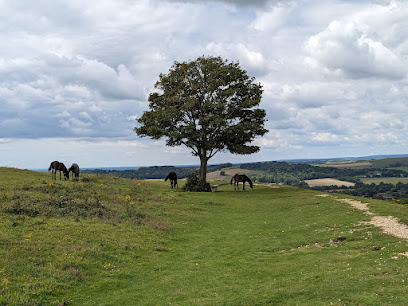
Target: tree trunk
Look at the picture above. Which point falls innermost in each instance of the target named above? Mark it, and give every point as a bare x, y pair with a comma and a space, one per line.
203, 169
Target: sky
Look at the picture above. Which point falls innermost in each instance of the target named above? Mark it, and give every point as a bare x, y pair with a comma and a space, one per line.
74, 76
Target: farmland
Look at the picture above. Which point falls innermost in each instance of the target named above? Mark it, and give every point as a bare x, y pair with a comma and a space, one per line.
108, 241
328, 182
386, 180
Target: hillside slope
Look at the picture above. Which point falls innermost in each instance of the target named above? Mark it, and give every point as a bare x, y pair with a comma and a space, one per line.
106, 240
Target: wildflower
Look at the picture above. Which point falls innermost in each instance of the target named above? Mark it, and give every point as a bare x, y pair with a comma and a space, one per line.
107, 266
127, 198
30, 234
132, 203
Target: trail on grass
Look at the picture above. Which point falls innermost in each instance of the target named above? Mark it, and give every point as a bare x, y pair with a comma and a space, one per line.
388, 224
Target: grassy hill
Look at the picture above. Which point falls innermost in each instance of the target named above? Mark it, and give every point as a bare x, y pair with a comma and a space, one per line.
109, 241
390, 162
372, 163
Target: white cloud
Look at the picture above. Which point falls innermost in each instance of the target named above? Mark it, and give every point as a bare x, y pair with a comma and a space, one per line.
333, 72
358, 47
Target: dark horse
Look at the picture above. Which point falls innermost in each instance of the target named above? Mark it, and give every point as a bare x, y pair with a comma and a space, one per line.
75, 170
241, 178
173, 179
57, 166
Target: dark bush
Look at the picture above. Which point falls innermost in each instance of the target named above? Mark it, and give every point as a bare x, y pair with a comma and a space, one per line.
194, 184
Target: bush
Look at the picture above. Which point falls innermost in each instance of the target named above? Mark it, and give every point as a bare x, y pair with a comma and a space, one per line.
194, 184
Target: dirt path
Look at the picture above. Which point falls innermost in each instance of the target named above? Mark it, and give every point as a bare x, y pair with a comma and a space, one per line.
388, 224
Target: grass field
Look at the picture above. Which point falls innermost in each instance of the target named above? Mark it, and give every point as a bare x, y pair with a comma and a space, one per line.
351, 165
378, 180
110, 241
328, 182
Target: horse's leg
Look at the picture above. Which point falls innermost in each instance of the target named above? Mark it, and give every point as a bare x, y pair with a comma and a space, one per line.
243, 185
60, 175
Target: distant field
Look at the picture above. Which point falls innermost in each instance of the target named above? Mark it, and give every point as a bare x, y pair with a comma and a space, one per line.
328, 182
390, 180
365, 164
216, 175
388, 162
400, 168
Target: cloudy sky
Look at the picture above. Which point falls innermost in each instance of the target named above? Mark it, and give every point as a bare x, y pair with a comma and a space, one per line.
75, 74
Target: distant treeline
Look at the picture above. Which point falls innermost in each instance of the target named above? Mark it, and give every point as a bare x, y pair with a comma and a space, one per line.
295, 174
278, 172
156, 172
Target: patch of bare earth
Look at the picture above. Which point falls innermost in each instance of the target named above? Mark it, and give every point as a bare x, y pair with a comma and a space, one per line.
388, 224
391, 225
357, 204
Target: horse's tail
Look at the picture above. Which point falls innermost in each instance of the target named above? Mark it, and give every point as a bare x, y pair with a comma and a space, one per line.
50, 167
232, 179
167, 177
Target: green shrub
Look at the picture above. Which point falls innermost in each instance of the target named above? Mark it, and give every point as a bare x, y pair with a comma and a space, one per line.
194, 184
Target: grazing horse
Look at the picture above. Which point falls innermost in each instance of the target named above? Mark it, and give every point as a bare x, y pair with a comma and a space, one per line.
173, 179
241, 178
75, 170
57, 166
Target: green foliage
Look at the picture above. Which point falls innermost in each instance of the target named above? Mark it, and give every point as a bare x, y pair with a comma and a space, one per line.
195, 184
207, 105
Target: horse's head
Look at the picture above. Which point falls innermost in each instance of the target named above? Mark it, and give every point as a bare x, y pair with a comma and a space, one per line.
250, 182
65, 171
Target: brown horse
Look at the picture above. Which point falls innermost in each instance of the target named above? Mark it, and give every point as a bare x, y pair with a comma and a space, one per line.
57, 166
75, 170
173, 179
241, 178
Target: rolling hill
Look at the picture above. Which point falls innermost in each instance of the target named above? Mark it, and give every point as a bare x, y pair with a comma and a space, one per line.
106, 240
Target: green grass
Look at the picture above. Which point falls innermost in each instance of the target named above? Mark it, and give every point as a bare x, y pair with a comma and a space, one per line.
83, 243
390, 180
400, 168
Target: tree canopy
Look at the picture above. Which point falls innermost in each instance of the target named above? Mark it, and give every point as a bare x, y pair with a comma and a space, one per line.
208, 105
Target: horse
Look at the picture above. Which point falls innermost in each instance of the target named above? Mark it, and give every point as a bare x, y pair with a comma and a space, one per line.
173, 179
75, 170
241, 178
57, 166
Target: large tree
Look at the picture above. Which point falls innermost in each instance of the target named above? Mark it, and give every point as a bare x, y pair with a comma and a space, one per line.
209, 105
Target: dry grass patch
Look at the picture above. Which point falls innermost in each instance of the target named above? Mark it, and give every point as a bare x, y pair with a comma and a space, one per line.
328, 182
229, 173
365, 164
